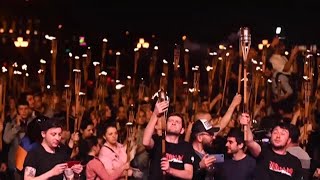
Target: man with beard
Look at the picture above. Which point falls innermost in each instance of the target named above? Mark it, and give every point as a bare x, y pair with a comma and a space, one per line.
201, 137
244, 163
177, 163
273, 162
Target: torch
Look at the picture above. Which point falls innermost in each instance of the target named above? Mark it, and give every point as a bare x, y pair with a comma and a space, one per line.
245, 43
54, 47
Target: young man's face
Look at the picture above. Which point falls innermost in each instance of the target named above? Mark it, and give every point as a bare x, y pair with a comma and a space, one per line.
279, 138
107, 112
37, 102
174, 125
23, 111
52, 137
122, 113
88, 132
232, 145
205, 106
206, 138
141, 118
30, 101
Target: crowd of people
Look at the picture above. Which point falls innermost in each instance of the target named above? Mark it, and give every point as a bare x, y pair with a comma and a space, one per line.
132, 138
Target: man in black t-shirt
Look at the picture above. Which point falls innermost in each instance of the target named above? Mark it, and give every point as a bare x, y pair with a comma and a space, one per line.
243, 163
176, 163
49, 161
273, 161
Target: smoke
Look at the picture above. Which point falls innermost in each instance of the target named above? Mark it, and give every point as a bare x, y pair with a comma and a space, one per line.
232, 39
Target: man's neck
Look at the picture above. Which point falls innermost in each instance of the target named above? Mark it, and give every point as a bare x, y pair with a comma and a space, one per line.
239, 155
48, 148
171, 138
280, 151
41, 109
198, 147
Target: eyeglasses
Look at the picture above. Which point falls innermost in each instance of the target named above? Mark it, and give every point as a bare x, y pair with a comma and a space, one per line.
205, 133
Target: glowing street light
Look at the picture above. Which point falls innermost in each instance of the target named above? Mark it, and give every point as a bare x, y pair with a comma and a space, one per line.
142, 44
21, 43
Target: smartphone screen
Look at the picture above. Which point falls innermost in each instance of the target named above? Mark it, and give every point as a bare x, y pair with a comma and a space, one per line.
219, 158
278, 30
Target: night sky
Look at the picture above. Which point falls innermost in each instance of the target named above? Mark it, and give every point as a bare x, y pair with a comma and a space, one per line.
206, 23
209, 22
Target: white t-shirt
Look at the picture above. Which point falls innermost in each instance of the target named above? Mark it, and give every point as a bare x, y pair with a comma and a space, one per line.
278, 62
302, 155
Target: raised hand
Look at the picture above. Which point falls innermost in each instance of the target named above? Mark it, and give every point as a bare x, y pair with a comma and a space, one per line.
75, 137
294, 50
236, 100
161, 107
245, 119
207, 161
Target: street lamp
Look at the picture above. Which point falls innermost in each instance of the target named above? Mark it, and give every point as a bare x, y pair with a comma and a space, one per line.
21, 43
142, 44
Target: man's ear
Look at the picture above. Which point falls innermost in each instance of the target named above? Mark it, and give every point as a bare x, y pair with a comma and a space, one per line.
289, 141
241, 145
43, 134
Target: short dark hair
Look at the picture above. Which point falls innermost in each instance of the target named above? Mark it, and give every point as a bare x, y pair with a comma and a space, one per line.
51, 123
85, 123
34, 130
283, 125
86, 145
22, 102
294, 133
92, 141
237, 134
38, 94
109, 125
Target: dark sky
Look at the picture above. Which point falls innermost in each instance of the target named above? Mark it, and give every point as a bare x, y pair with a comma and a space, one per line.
205, 22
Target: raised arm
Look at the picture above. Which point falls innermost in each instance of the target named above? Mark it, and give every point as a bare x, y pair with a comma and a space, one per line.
159, 108
10, 131
295, 117
227, 117
292, 58
188, 132
253, 146
214, 101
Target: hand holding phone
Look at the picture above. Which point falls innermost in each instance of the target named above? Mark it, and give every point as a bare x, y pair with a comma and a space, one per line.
219, 158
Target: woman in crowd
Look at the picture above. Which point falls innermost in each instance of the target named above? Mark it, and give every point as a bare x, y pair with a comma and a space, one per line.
113, 154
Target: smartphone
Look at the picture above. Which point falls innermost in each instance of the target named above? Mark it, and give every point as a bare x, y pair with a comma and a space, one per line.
71, 163
278, 30
219, 157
